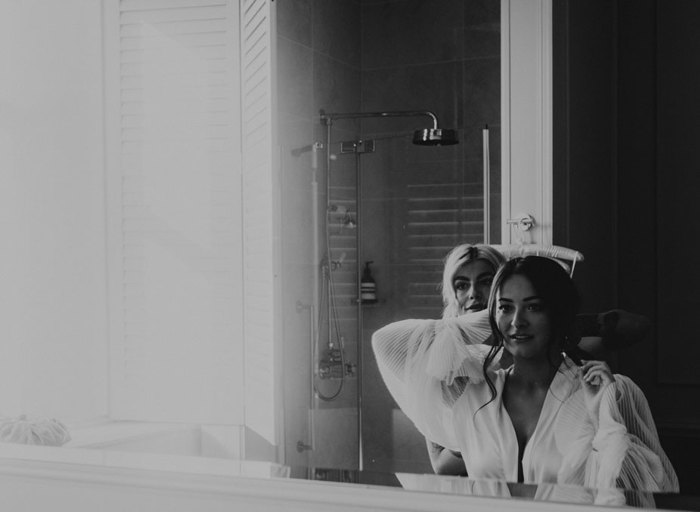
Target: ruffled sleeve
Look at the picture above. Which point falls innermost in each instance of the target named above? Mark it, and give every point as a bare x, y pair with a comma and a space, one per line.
420, 362
627, 452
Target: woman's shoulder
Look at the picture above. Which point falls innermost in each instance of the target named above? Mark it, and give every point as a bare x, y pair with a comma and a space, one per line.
496, 375
627, 389
626, 381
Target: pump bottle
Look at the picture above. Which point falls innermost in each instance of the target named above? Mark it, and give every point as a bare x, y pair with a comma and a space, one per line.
368, 288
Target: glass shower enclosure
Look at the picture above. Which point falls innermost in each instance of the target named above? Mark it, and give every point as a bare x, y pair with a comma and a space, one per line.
396, 203
361, 200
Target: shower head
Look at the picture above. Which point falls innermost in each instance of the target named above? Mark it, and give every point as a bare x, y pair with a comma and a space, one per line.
435, 137
427, 137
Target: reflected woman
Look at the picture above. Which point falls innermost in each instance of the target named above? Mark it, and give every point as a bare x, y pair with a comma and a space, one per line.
542, 419
466, 283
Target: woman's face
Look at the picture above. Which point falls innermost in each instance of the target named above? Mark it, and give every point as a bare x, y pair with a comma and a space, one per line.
523, 318
472, 285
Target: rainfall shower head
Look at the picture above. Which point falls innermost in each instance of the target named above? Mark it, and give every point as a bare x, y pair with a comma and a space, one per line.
435, 137
427, 137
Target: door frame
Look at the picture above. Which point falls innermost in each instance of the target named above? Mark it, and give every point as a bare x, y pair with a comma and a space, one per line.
526, 120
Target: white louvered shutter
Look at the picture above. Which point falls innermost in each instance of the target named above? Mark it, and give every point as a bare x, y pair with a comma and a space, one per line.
174, 196
260, 225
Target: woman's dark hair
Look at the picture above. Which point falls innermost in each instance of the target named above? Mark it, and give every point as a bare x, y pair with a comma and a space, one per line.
553, 286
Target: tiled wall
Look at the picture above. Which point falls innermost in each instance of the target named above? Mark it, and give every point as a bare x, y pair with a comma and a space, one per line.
443, 56
319, 67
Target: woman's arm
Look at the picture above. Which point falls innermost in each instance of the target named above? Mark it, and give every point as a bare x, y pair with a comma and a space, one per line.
610, 331
444, 461
626, 451
437, 348
419, 361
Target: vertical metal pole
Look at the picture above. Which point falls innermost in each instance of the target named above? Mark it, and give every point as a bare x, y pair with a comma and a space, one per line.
487, 188
315, 302
312, 391
358, 236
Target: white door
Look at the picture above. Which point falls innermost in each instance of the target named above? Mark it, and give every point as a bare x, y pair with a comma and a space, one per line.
526, 110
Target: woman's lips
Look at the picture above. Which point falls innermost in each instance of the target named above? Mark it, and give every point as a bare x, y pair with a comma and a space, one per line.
520, 337
476, 307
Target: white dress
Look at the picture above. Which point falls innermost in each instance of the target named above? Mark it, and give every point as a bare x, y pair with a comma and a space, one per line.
433, 369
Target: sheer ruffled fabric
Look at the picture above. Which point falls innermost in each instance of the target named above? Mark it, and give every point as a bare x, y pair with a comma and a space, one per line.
433, 369
39, 431
618, 448
425, 363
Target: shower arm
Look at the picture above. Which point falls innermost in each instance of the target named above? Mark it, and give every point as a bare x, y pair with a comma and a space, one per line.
328, 118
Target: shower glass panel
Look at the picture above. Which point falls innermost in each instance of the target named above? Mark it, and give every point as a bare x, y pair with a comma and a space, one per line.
413, 204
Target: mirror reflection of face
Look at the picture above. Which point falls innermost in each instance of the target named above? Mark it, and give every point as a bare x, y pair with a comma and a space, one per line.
523, 318
472, 284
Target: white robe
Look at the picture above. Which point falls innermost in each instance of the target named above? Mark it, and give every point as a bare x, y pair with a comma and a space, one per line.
433, 369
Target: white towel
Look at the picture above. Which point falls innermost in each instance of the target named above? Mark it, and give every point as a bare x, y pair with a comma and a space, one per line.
38, 430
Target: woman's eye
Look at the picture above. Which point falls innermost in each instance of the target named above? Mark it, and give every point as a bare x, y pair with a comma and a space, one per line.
461, 286
504, 308
486, 282
535, 307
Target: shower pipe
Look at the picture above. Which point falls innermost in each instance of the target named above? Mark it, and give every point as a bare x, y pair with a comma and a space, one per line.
487, 187
328, 118
434, 136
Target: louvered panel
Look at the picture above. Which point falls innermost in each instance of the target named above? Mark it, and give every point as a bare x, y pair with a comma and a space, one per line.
185, 92
438, 217
168, 60
260, 285
214, 79
204, 10
174, 28
176, 201
180, 105
190, 40
143, 5
135, 69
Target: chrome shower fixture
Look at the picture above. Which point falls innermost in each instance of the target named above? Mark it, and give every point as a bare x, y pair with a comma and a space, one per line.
348, 221
435, 137
427, 137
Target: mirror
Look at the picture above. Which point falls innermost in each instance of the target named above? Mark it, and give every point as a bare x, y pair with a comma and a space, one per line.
380, 70
342, 57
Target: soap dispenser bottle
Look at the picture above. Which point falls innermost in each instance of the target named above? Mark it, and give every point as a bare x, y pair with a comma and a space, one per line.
368, 288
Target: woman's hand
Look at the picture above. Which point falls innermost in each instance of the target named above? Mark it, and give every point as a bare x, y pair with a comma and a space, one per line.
595, 377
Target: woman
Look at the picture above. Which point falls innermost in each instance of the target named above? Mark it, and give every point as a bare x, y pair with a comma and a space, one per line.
466, 284
467, 277
542, 419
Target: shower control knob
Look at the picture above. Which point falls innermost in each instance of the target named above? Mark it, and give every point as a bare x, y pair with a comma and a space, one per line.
524, 221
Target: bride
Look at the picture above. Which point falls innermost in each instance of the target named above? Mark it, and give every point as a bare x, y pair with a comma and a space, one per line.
542, 419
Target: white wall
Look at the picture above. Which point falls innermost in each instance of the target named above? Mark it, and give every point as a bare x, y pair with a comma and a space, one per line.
52, 227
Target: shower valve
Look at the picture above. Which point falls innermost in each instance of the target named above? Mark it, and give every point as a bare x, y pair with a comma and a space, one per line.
350, 369
302, 446
525, 222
